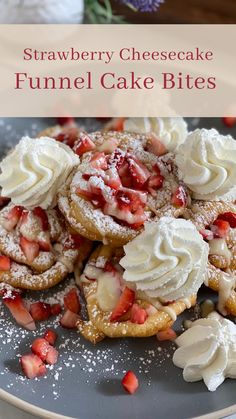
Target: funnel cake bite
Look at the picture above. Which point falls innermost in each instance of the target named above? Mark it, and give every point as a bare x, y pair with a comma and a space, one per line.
39, 249
141, 289
216, 221
119, 185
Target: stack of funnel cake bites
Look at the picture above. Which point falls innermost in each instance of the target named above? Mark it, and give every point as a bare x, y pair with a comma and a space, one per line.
141, 221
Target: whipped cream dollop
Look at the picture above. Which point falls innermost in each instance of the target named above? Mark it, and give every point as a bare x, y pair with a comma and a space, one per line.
207, 164
207, 351
167, 260
34, 171
171, 131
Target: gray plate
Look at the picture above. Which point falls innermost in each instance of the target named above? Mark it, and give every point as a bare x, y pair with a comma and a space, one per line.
86, 382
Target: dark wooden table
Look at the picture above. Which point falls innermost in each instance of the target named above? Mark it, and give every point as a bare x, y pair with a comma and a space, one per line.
184, 11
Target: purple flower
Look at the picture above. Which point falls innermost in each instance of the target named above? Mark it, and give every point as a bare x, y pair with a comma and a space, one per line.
143, 5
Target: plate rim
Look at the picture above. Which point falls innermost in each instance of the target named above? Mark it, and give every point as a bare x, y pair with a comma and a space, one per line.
47, 414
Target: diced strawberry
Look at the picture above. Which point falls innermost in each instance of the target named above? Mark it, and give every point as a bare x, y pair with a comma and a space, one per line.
229, 121
12, 217
220, 228
5, 263
167, 334
138, 171
16, 306
179, 197
68, 136
29, 248
69, 320
156, 146
230, 217
112, 179
138, 314
65, 120
207, 234
50, 336
109, 267
156, 169
98, 161
116, 159
74, 241
131, 200
84, 193
42, 215
4, 201
118, 124
155, 182
71, 301
124, 174
44, 241
52, 356
125, 302
40, 347
32, 366
130, 382
40, 311
55, 309
83, 144
24, 217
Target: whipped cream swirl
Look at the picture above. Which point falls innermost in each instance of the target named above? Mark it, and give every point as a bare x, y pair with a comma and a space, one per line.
171, 131
207, 164
207, 351
167, 260
34, 171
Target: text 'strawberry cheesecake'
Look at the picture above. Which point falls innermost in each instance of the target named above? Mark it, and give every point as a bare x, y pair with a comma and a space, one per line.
207, 165
207, 351
142, 292
170, 131
34, 171
122, 181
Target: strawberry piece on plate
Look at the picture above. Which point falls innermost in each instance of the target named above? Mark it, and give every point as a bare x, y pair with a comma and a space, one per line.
156, 146
40, 311
5, 263
65, 120
42, 215
40, 347
230, 217
138, 314
83, 144
125, 302
69, 320
229, 121
179, 197
71, 301
130, 382
32, 366
29, 248
138, 171
220, 228
167, 334
52, 356
20, 313
55, 309
12, 217
155, 182
50, 336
